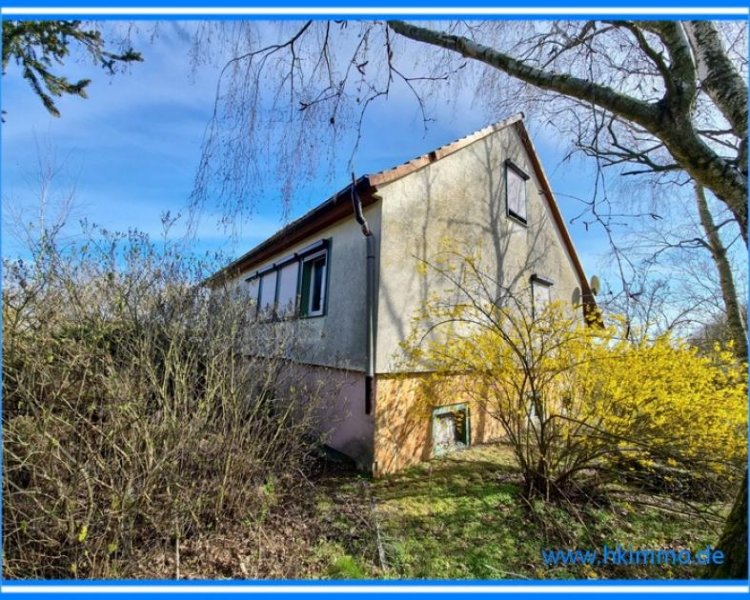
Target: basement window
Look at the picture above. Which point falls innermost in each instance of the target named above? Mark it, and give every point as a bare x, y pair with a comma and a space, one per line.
450, 429
515, 191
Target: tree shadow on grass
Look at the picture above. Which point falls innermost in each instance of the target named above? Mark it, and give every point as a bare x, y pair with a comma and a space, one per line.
476, 472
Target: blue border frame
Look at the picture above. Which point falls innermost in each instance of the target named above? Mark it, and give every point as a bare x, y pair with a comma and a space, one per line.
511, 588
376, 589
380, 7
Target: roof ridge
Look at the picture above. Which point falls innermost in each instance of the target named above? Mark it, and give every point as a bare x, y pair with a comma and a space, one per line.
338, 205
414, 164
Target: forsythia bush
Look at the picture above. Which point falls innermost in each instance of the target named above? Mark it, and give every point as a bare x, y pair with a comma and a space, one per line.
579, 403
686, 408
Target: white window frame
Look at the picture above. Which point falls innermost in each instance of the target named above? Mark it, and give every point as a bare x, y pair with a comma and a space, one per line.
323, 288
533, 417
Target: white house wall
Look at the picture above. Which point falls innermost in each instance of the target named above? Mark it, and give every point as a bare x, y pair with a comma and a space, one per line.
337, 338
460, 200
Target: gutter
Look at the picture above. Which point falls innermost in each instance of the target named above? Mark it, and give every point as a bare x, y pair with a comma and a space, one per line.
369, 298
327, 213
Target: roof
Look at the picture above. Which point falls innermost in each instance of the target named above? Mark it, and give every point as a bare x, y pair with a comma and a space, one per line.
339, 205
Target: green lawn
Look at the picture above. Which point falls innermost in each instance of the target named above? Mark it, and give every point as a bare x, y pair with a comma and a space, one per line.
462, 517
459, 517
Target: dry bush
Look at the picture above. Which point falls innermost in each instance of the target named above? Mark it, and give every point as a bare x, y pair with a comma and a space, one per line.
133, 415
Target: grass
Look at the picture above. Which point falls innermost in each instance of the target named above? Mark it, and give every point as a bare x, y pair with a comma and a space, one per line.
458, 517
462, 517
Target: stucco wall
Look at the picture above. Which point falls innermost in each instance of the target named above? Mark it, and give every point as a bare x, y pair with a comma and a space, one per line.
337, 338
460, 200
403, 419
340, 415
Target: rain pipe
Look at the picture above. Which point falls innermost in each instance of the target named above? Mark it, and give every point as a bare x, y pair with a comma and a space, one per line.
369, 298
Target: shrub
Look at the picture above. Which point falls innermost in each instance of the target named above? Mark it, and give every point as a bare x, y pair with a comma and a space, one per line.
135, 412
581, 404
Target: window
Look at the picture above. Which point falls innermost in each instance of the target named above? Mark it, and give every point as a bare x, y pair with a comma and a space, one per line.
540, 294
515, 191
293, 286
535, 408
286, 303
450, 428
313, 289
267, 301
253, 288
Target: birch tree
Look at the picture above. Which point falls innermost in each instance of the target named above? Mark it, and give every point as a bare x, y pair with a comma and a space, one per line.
691, 77
661, 99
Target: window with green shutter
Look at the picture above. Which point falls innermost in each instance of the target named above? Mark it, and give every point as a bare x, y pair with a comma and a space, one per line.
293, 286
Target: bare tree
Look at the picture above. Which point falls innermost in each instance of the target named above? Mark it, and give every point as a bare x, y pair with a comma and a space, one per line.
653, 104
135, 412
666, 98
716, 247
662, 98
679, 268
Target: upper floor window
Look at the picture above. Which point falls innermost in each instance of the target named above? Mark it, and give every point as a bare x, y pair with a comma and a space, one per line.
515, 191
293, 286
313, 288
541, 296
286, 295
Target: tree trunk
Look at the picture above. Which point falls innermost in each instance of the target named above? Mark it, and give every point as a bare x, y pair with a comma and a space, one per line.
670, 120
726, 279
733, 541
719, 77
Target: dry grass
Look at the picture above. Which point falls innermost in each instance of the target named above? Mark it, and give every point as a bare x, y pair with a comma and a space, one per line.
458, 517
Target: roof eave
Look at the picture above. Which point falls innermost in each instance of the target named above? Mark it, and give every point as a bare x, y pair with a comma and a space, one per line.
587, 294
409, 167
328, 212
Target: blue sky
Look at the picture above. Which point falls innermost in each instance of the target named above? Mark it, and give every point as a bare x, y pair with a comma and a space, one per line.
132, 148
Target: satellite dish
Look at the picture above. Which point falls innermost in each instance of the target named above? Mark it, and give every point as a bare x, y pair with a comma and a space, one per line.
595, 285
576, 297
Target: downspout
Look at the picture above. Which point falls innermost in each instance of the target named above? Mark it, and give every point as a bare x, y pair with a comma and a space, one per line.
369, 299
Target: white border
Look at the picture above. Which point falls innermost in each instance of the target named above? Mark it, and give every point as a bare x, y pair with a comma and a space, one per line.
378, 589
279, 11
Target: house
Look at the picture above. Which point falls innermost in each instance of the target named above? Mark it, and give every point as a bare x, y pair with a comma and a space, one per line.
348, 271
